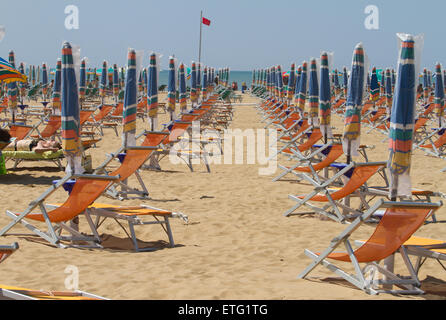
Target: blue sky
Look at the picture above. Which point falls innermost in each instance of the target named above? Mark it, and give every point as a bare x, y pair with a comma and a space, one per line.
244, 34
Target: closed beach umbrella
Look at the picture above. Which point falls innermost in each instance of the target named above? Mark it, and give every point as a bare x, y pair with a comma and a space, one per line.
296, 87
140, 83
425, 86
145, 81
325, 98
313, 94
71, 143
129, 108
12, 89
103, 85
82, 80
34, 78
292, 82
352, 119
388, 91
171, 89
44, 81
393, 80
22, 85
402, 122
152, 98
439, 94
337, 86
302, 92
38, 75
193, 89
345, 76
253, 79
57, 88
115, 82
374, 86
204, 84
182, 89
199, 80
280, 82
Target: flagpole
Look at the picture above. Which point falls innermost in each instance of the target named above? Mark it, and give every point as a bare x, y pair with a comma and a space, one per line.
201, 26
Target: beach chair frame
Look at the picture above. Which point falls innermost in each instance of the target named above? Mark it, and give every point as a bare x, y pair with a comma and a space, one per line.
408, 285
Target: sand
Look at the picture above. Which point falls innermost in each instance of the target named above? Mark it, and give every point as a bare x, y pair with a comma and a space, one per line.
237, 244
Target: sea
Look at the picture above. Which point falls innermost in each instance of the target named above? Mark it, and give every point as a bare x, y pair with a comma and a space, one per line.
234, 76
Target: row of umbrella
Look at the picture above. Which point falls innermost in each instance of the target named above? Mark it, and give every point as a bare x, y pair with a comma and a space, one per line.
400, 93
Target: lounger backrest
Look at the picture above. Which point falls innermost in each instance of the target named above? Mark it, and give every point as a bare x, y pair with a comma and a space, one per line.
84, 193
440, 141
6, 252
105, 110
118, 110
54, 123
419, 123
178, 129
134, 159
396, 227
19, 132
84, 116
359, 176
316, 135
335, 152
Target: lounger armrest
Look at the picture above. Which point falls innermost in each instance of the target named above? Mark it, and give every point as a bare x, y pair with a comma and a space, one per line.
13, 246
95, 177
142, 148
155, 132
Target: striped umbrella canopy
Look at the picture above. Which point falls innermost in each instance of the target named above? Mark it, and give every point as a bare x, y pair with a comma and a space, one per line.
337, 86
34, 78
393, 80
57, 87
171, 88
429, 78
352, 118
193, 89
425, 85
140, 82
280, 82
122, 78
388, 91
402, 121
145, 81
70, 130
253, 79
103, 85
345, 78
368, 82
302, 92
199, 79
38, 75
444, 79
325, 98
115, 81
204, 84
274, 81
374, 86
30, 73
12, 89
313, 94
44, 81
129, 108
182, 89
292, 82
297, 84
265, 77
439, 94
152, 99
383, 83
82, 80
22, 85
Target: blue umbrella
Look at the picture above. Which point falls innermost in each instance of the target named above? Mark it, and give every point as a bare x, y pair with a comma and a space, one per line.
313, 94
402, 122
352, 122
130, 108
439, 94
171, 89
325, 97
71, 143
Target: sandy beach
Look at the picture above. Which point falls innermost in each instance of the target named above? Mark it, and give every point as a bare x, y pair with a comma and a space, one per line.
237, 244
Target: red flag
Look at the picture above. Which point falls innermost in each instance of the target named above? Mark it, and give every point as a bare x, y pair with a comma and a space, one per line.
206, 21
